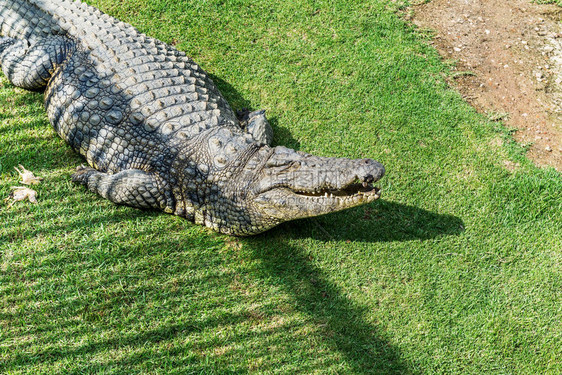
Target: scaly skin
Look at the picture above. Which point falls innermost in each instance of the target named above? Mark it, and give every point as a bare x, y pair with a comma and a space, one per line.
156, 131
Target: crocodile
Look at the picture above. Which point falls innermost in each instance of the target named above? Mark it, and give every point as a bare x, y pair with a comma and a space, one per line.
155, 130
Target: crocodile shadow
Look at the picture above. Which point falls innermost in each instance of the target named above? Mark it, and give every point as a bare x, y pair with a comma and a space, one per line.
380, 221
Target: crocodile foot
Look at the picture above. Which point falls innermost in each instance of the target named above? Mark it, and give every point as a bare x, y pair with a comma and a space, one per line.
82, 174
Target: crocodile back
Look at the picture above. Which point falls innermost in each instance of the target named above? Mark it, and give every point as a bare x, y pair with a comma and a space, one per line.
118, 81
27, 20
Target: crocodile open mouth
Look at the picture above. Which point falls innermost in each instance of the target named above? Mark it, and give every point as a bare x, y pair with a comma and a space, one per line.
286, 203
313, 194
353, 189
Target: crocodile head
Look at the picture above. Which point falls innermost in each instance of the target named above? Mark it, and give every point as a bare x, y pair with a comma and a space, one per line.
282, 184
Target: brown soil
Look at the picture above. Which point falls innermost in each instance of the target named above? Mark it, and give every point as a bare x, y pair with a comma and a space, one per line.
509, 64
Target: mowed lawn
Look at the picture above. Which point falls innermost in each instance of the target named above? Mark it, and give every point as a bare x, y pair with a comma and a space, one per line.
456, 270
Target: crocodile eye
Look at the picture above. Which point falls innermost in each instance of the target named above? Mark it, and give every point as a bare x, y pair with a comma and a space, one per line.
230, 149
220, 161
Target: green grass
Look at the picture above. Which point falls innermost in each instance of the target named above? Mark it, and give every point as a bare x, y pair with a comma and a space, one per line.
557, 2
457, 270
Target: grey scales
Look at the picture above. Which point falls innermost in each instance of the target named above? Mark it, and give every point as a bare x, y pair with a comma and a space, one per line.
155, 130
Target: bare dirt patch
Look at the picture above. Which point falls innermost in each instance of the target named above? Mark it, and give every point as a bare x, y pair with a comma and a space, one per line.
508, 64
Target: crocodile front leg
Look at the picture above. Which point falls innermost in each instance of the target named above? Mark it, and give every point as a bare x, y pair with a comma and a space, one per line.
31, 66
131, 187
255, 123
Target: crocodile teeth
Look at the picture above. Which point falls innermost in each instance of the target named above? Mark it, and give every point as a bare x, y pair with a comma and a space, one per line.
365, 184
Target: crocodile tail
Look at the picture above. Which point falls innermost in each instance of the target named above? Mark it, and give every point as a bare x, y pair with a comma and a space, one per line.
24, 19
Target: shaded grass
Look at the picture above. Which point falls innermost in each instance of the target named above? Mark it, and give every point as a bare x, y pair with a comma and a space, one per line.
456, 270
